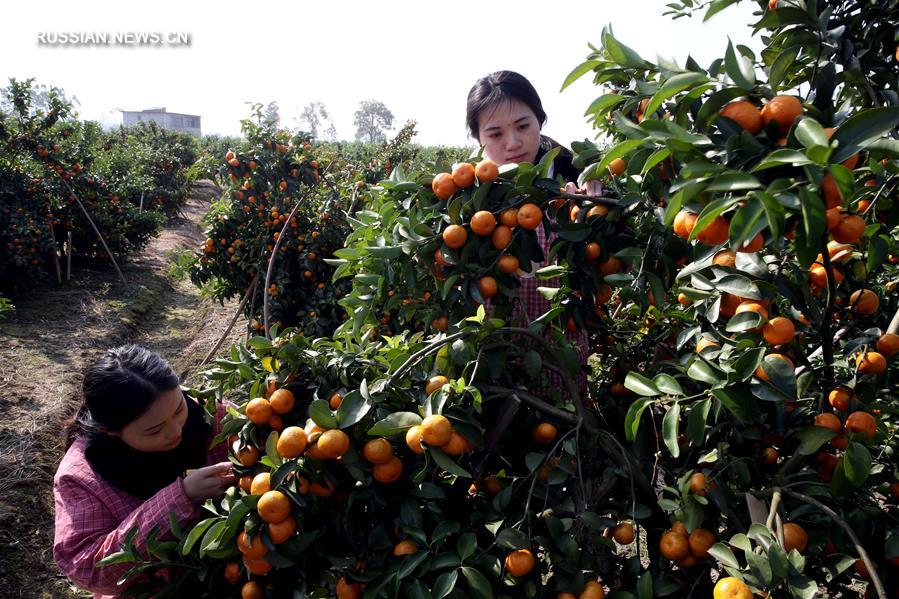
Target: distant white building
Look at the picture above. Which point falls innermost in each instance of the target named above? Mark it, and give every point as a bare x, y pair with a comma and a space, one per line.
166, 120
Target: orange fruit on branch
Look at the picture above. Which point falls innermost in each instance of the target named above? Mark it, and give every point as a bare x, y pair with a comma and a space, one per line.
862, 423
261, 483
333, 443
714, 233
291, 442
730, 587
674, 545
623, 533
744, 114
378, 451
389, 471
487, 286
864, 301
700, 540
840, 398
436, 430
520, 562
871, 362
251, 590
544, 433
725, 258
507, 264
795, 537
273, 506
779, 330
592, 590
888, 344
434, 383
486, 171
849, 230
530, 216
259, 410
455, 236
413, 440
443, 186
463, 175
684, 222
501, 237
509, 217
282, 401
405, 547
617, 167
348, 590
279, 532
251, 547
483, 222
699, 484
829, 421
784, 110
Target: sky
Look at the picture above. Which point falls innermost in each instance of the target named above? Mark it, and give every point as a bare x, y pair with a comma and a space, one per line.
418, 58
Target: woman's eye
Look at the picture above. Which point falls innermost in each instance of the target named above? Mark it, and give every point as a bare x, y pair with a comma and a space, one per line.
523, 127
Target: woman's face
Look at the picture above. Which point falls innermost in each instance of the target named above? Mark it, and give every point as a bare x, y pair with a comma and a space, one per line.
159, 428
509, 132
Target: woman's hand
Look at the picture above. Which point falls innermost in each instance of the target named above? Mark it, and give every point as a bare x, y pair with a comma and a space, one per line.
590, 188
208, 482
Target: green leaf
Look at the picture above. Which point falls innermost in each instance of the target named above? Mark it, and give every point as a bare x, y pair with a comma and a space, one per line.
699, 413
603, 103
674, 86
812, 438
723, 554
739, 68
394, 424
857, 463
667, 384
195, 533
670, 424
477, 583
701, 370
783, 157
640, 385
260, 343
444, 584
738, 285
810, 133
632, 419
550, 272
271, 449
620, 53
717, 6
862, 129
352, 409
732, 181
512, 538
737, 401
600, 170
447, 463
578, 72
466, 545
321, 414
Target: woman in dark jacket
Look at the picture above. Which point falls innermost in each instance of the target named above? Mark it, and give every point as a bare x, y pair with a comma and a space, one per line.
505, 115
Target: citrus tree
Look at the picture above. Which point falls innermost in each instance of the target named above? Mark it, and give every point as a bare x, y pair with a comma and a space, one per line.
62, 176
739, 293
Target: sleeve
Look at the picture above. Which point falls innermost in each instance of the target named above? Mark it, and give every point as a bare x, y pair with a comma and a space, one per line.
87, 531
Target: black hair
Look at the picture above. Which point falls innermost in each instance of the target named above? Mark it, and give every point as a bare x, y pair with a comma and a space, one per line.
119, 388
501, 86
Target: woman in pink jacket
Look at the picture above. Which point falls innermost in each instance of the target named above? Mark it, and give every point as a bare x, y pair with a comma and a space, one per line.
130, 444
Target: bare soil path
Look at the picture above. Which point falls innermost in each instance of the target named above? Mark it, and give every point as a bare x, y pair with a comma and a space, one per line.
45, 347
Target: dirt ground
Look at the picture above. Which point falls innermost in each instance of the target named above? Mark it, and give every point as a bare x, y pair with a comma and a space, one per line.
45, 347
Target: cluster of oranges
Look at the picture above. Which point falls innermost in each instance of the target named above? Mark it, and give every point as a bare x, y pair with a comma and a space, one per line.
494, 227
